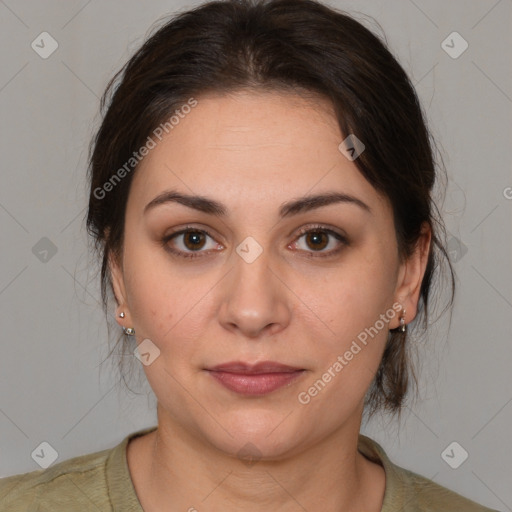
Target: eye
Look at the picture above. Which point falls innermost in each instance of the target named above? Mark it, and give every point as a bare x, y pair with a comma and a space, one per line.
188, 241
319, 237
191, 242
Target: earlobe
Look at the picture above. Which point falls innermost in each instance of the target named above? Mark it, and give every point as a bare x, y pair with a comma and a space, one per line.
411, 275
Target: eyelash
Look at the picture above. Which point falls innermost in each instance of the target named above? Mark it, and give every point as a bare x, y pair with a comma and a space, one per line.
303, 231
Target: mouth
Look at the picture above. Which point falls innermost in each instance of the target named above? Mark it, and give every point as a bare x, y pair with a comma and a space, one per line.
254, 379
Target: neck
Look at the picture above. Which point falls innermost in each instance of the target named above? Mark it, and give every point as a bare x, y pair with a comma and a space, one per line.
176, 471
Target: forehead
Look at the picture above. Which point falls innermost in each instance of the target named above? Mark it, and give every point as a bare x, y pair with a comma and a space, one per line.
248, 146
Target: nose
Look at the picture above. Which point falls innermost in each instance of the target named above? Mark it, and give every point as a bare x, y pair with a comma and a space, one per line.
255, 298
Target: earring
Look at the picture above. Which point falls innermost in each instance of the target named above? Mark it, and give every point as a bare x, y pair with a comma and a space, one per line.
129, 331
403, 327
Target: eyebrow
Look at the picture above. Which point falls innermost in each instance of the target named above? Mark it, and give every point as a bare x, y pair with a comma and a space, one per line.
294, 207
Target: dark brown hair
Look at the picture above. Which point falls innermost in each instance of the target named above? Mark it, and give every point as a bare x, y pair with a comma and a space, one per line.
298, 46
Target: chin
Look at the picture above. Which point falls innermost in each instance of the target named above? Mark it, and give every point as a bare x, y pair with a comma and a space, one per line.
257, 434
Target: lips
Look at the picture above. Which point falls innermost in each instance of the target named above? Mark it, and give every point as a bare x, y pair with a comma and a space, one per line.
255, 379
254, 369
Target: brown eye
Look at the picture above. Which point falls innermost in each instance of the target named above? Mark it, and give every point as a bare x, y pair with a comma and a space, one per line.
193, 240
317, 240
189, 243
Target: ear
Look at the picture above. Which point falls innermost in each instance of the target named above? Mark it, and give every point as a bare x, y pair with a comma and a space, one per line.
410, 275
116, 273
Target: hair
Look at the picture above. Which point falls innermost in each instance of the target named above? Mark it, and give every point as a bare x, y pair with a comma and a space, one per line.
294, 46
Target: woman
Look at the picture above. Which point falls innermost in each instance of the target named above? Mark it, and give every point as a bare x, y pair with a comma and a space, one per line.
260, 196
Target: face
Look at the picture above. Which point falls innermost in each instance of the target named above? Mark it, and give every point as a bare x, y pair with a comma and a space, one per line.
252, 278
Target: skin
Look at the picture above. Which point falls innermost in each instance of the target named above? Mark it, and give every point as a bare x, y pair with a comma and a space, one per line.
252, 152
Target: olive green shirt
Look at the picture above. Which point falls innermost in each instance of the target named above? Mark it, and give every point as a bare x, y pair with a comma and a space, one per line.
101, 482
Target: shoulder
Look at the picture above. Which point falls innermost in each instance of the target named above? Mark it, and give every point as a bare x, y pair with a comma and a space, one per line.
80, 481
410, 492
426, 495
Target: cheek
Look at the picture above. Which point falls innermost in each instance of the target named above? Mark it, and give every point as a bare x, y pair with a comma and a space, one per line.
349, 352
351, 316
168, 307
150, 289
354, 295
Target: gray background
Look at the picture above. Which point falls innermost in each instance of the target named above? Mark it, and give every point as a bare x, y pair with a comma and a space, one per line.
54, 386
